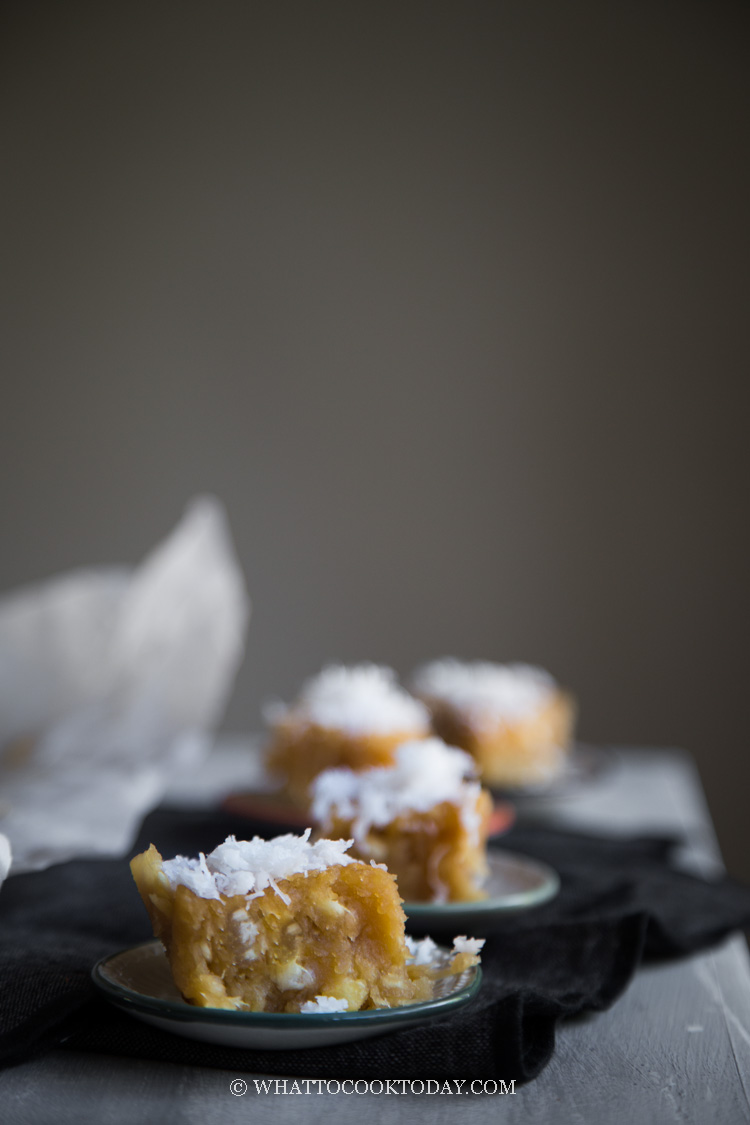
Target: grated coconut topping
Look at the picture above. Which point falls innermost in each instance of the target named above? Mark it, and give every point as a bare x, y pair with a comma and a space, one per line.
426, 773
485, 693
250, 867
361, 699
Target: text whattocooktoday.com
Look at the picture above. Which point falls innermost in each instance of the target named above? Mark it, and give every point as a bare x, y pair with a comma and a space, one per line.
361, 1086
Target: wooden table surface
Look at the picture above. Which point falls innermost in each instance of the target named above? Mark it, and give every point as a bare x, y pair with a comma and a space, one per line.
675, 1047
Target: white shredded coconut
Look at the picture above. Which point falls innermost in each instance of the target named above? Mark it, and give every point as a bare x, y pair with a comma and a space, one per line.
250, 867
292, 976
423, 950
248, 932
467, 945
485, 693
425, 773
325, 1004
361, 699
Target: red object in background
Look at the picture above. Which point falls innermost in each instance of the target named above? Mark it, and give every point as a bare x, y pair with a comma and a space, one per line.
503, 817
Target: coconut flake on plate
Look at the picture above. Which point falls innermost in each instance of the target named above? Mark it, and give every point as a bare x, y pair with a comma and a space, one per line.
423, 951
325, 1004
463, 944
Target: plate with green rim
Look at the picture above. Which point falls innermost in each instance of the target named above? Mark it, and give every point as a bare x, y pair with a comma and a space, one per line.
139, 981
516, 883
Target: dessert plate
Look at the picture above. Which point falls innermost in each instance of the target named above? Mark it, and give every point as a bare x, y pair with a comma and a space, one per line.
139, 981
516, 883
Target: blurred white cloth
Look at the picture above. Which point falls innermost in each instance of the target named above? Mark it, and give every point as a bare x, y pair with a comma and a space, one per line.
236, 764
111, 683
4, 856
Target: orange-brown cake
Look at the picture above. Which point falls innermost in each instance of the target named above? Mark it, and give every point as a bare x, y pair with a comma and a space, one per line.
352, 717
512, 718
425, 817
286, 925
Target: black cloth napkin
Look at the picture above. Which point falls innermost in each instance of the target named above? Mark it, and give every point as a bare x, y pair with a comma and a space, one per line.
620, 901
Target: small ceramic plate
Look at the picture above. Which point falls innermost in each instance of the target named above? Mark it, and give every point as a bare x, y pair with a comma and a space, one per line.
139, 981
515, 883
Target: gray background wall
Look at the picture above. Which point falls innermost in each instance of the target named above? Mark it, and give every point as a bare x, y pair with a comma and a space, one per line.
448, 302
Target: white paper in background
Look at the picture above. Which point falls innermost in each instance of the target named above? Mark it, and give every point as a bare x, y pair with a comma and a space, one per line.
111, 683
